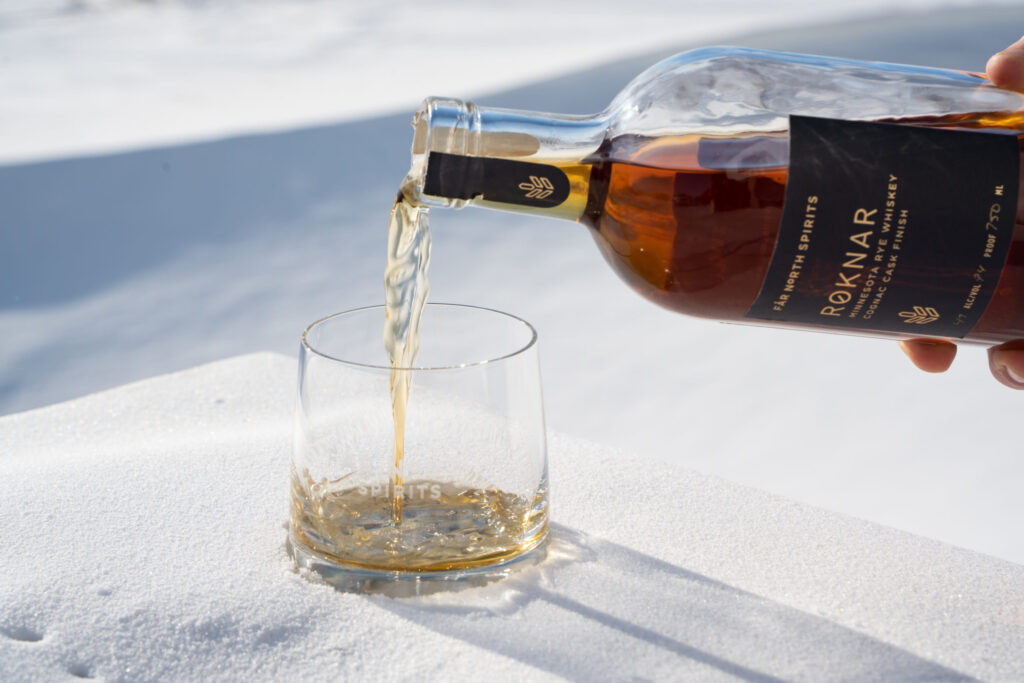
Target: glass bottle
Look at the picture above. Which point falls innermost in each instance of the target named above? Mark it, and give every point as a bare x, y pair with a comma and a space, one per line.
702, 196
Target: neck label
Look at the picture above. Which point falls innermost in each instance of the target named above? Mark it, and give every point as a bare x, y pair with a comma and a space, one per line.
495, 180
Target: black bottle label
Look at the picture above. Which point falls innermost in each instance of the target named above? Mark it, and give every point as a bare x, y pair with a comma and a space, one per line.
891, 227
495, 180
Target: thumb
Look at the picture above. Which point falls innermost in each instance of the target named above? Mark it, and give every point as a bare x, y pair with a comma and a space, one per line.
1006, 69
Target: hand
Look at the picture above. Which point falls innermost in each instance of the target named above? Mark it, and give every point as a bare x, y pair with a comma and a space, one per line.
1006, 361
1006, 68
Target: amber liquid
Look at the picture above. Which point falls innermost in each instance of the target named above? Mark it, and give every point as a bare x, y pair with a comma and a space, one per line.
406, 287
417, 525
444, 526
699, 241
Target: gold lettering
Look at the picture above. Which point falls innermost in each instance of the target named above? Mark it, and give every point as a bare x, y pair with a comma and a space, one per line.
972, 296
864, 217
990, 246
840, 297
831, 311
861, 238
847, 280
854, 260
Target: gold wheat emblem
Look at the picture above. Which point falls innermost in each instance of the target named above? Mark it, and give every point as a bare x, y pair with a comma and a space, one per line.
921, 315
537, 188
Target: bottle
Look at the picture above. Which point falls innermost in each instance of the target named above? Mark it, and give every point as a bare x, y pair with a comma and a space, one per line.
770, 188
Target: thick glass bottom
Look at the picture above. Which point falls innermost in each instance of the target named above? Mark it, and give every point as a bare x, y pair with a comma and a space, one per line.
410, 582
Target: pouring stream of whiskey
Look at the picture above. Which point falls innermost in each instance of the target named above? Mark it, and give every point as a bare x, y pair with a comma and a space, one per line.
406, 289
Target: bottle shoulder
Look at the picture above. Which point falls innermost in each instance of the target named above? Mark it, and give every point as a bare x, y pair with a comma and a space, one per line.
726, 91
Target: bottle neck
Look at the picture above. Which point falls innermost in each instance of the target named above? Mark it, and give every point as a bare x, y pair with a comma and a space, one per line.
501, 159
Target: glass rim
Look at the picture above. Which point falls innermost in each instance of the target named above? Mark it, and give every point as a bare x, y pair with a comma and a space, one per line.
426, 368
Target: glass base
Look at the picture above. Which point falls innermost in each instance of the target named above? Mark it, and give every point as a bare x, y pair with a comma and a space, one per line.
408, 583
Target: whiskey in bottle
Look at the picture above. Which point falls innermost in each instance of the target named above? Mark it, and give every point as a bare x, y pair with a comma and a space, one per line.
770, 188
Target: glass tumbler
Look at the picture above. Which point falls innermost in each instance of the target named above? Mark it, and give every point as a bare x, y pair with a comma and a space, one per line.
457, 490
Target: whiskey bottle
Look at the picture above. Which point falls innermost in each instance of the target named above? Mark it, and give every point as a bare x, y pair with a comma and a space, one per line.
770, 188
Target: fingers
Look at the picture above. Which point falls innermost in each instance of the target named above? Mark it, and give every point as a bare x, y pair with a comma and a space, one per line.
928, 355
1006, 69
1006, 362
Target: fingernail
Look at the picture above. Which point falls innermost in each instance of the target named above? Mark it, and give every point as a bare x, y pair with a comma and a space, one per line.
1004, 371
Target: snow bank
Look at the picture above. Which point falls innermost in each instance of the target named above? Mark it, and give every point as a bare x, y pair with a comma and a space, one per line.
88, 76
120, 267
144, 533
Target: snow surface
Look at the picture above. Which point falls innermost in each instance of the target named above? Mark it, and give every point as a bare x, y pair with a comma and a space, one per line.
120, 266
81, 76
144, 529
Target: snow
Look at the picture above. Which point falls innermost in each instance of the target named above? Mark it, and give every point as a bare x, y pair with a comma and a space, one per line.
117, 267
184, 182
85, 76
144, 532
